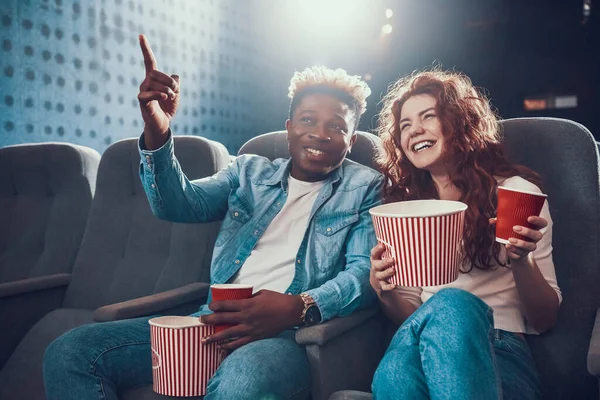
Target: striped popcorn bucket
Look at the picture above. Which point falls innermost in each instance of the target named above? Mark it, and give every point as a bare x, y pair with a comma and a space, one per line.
423, 237
514, 207
181, 364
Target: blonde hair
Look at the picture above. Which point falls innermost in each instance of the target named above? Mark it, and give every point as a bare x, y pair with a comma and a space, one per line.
338, 79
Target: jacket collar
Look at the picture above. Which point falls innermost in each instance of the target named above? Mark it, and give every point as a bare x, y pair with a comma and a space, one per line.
281, 174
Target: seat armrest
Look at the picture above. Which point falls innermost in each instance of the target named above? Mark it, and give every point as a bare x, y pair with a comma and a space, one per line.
23, 286
593, 359
323, 333
153, 304
23, 303
343, 353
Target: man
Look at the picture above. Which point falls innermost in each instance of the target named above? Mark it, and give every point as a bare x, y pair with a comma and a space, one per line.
298, 230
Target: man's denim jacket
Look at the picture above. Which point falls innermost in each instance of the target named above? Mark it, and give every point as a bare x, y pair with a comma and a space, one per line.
332, 263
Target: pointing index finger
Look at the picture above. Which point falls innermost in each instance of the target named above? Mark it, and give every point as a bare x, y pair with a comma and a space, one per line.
149, 60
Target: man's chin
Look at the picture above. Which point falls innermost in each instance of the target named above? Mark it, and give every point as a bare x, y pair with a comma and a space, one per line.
316, 174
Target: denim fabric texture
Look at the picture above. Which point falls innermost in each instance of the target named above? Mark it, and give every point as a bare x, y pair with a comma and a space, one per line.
448, 349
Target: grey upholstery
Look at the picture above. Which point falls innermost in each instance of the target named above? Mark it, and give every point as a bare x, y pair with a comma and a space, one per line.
566, 156
46, 191
594, 350
274, 145
115, 250
129, 261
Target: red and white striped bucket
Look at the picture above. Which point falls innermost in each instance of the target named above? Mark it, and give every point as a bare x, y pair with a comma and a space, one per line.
181, 364
424, 237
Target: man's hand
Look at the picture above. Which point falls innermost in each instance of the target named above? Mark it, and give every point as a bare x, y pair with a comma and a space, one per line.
265, 315
158, 98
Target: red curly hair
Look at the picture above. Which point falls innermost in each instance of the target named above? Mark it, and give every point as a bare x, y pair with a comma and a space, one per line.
474, 145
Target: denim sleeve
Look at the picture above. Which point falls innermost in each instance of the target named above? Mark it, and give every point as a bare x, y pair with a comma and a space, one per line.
173, 197
350, 289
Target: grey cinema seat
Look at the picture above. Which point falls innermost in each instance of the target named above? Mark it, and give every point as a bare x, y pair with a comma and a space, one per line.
46, 191
129, 263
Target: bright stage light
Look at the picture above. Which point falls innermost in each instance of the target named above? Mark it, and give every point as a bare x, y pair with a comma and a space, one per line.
389, 13
386, 29
328, 19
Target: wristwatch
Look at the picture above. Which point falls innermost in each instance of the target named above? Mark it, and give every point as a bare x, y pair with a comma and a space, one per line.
311, 315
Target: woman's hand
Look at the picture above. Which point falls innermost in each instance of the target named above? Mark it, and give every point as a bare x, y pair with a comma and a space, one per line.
381, 270
519, 249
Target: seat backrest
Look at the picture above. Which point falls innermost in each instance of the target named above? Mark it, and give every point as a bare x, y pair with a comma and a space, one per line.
274, 145
126, 251
46, 190
565, 154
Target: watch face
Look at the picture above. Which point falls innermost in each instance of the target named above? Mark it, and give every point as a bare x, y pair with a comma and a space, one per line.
313, 315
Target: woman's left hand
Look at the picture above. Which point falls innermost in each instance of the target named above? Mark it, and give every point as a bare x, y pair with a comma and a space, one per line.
518, 249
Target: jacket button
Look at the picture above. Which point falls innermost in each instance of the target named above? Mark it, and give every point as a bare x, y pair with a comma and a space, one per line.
328, 229
235, 214
237, 261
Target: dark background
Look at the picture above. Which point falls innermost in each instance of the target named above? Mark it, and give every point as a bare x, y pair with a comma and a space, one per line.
70, 70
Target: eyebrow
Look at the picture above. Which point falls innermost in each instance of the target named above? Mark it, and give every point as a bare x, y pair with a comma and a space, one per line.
310, 111
420, 114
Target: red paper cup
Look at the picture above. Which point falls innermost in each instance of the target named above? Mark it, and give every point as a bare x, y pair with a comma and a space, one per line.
181, 364
514, 207
229, 291
423, 237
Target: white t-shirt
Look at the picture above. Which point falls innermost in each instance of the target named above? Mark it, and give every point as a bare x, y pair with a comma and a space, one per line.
497, 287
272, 263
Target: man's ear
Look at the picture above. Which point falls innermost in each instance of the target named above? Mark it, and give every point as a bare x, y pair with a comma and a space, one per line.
288, 127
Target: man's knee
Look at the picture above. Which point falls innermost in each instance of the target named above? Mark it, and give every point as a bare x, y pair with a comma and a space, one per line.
66, 351
236, 382
268, 369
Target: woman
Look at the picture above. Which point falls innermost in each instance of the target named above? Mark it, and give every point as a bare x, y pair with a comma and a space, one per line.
463, 340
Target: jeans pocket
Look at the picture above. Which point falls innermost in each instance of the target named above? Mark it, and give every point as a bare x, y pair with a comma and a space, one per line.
514, 343
520, 379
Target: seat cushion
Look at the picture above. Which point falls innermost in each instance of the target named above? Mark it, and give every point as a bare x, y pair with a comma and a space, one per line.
21, 377
126, 251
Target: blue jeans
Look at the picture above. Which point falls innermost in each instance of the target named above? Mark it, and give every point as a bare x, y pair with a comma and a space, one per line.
101, 360
449, 349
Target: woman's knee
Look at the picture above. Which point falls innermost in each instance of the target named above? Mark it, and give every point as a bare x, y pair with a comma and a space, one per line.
454, 312
395, 379
458, 303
